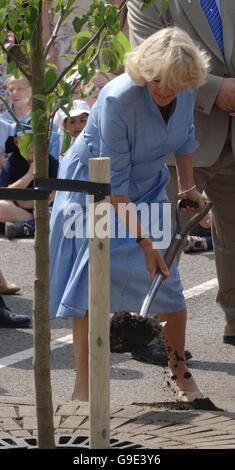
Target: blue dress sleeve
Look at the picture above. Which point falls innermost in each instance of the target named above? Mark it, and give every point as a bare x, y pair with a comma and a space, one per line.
114, 143
190, 144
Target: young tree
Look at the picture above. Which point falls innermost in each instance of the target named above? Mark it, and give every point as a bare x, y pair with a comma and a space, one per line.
96, 35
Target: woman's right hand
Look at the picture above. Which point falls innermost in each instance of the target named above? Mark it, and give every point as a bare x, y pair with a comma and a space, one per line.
153, 258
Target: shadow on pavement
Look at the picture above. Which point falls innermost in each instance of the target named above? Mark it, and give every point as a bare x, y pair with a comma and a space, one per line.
227, 367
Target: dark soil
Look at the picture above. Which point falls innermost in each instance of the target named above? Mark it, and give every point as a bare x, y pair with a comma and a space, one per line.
129, 333
197, 404
205, 404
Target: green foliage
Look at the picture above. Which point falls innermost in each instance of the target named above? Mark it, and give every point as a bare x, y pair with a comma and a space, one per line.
78, 23
80, 40
13, 18
164, 6
66, 142
3, 3
96, 37
25, 141
146, 3
11, 68
123, 41
38, 115
49, 77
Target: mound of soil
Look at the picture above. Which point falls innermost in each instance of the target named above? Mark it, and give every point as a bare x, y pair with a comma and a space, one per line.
129, 333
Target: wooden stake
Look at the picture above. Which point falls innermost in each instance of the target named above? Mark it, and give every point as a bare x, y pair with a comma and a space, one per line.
99, 309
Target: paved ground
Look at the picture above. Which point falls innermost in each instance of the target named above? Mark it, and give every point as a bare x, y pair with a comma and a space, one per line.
143, 424
213, 366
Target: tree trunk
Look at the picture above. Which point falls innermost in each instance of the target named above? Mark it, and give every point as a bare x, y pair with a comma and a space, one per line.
41, 325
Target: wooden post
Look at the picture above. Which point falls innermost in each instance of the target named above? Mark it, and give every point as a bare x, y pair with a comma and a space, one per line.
99, 322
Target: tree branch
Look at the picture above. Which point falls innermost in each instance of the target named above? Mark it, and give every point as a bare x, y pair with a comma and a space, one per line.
78, 55
83, 50
54, 34
20, 67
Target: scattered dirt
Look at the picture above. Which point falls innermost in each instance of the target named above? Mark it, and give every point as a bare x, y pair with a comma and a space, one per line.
128, 333
187, 375
205, 404
198, 404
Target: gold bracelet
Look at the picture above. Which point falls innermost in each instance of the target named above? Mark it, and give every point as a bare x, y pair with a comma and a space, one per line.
187, 190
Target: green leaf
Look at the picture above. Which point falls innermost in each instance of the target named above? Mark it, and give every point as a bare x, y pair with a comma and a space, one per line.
80, 40
17, 73
24, 143
83, 70
13, 18
49, 78
164, 6
37, 116
145, 4
121, 37
40, 97
66, 142
3, 3
109, 58
31, 17
78, 24
111, 16
66, 88
10, 68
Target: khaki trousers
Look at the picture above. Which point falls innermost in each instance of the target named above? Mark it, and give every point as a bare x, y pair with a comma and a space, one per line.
218, 181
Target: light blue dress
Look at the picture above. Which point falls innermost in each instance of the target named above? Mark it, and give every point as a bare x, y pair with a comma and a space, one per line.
127, 126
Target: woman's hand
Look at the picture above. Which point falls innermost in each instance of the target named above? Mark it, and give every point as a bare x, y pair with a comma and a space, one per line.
153, 258
195, 196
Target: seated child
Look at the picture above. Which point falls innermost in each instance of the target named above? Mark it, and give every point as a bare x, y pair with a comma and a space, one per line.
200, 238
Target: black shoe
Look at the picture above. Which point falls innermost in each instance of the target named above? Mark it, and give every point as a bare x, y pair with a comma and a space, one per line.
11, 320
18, 230
229, 340
155, 354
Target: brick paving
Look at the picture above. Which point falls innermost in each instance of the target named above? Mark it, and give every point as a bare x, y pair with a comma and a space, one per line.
145, 424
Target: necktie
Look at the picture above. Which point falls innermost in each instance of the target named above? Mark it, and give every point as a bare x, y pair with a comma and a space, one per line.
213, 17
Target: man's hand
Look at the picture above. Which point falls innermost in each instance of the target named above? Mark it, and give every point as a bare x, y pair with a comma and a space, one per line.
226, 96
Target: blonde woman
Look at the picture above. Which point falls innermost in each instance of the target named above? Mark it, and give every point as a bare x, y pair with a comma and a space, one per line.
138, 118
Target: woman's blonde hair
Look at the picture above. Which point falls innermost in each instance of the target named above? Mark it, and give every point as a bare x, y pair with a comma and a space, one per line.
170, 55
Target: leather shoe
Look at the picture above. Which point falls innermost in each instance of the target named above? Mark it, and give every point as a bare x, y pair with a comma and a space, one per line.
11, 320
229, 340
155, 354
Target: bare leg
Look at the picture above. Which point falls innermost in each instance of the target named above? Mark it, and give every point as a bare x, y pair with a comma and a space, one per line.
9, 212
80, 344
7, 287
174, 335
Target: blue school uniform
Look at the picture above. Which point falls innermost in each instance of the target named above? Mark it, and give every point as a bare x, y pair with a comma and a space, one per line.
127, 126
